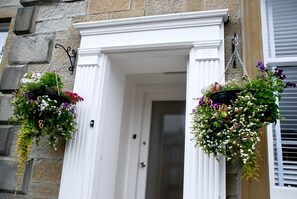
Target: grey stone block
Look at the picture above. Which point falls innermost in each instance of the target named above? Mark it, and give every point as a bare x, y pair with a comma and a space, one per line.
53, 25
233, 167
232, 197
5, 107
60, 11
6, 137
11, 77
233, 184
11, 196
8, 168
37, 2
7, 3
25, 20
31, 49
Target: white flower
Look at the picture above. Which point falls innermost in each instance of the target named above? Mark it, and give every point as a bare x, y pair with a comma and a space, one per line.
26, 80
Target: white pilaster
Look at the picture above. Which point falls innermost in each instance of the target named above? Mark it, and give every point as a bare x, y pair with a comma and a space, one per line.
204, 176
83, 153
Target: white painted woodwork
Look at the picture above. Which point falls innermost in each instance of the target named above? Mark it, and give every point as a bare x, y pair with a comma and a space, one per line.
115, 58
272, 58
203, 69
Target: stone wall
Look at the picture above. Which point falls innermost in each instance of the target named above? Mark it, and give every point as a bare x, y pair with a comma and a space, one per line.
36, 26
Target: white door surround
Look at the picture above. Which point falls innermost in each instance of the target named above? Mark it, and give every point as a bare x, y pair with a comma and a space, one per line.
111, 54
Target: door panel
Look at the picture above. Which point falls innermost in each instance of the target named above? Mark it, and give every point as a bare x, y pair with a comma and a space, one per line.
166, 151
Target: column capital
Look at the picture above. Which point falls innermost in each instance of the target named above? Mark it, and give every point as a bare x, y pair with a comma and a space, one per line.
89, 57
207, 44
207, 50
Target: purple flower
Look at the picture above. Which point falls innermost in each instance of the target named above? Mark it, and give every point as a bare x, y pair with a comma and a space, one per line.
66, 104
215, 105
290, 84
261, 66
260, 63
201, 101
279, 72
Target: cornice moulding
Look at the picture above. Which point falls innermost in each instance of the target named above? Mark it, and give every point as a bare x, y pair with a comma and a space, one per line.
179, 20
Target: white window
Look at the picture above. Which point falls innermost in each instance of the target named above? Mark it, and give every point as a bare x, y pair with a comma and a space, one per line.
280, 49
3, 36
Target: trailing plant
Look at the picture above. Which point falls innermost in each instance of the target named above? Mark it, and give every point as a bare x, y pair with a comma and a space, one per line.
45, 111
233, 130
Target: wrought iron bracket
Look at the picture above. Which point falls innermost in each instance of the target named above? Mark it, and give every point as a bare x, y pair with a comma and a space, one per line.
234, 44
72, 57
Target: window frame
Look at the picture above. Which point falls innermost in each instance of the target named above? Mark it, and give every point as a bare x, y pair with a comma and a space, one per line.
276, 191
4, 27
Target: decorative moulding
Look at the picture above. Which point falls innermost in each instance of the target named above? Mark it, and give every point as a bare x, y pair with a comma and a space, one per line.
181, 20
88, 57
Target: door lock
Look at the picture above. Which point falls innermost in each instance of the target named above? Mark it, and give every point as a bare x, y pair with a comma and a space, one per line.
142, 164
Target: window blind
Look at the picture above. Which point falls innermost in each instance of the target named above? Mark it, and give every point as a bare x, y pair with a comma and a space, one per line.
285, 134
282, 27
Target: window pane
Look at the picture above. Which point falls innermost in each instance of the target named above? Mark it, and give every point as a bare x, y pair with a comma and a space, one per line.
282, 26
3, 36
166, 152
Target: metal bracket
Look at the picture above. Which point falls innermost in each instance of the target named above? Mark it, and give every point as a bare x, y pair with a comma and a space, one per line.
234, 44
72, 57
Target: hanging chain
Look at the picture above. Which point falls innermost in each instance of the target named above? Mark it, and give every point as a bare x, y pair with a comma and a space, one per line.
233, 56
243, 67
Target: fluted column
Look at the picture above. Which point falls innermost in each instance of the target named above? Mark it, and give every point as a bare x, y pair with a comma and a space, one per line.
79, 174
204, 176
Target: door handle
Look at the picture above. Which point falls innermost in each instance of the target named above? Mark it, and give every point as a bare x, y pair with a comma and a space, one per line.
142, 164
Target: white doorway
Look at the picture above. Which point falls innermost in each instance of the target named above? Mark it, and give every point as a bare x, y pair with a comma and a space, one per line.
116, 59
161, 160
156, 154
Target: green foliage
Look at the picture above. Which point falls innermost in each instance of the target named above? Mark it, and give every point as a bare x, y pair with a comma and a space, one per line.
51, 81
42, 115
233, 130
24, 145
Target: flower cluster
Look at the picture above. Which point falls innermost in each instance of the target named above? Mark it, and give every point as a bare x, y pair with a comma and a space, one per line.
74, 97
217, 87
31, 77
233, 130
43, 112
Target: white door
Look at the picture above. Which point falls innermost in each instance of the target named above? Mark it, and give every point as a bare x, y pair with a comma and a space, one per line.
161, 148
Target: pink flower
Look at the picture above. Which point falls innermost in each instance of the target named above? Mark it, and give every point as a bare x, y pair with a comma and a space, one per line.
74, 97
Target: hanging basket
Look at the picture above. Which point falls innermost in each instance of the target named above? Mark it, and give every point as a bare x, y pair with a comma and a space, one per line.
60, 99
225, 97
